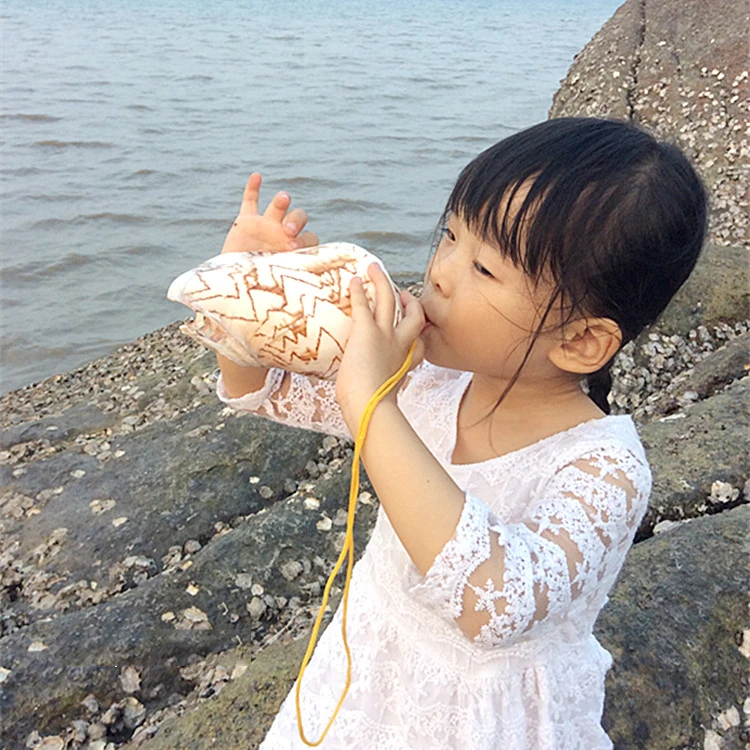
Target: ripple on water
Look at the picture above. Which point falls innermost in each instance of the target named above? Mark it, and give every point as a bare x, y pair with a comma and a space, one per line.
103, 217
354, 206
381, 239
24, 272
53, 143
23, 117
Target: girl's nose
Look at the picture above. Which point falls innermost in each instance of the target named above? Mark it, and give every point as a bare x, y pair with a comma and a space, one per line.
441, 273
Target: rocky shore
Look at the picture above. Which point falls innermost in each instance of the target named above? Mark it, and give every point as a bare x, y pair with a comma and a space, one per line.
161, 557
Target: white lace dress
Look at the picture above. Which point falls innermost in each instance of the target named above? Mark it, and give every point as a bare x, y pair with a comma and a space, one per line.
541, 539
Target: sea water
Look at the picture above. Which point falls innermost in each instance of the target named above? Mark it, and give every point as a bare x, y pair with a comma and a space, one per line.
129, 130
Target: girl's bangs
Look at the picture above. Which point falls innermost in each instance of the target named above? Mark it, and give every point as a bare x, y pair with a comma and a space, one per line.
509, 227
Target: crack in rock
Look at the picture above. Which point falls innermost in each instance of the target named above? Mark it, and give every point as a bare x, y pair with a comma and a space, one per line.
630, 92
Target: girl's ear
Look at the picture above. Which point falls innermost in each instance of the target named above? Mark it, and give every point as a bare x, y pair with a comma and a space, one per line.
586, 345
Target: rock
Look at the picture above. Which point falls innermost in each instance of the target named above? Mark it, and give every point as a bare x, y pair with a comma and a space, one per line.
649, 370
51, 743
717, 291
133, 713
114, 518
708, 376
241, 714
600, 79
672, 626
86, 650
79, 419
130, 680
690, 450
256, 607
292, 568
90, 704
681, 71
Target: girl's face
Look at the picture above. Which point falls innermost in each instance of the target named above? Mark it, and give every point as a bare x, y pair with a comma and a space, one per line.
482, 311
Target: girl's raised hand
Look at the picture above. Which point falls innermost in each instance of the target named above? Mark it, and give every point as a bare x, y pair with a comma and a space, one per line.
277, 229
375, 349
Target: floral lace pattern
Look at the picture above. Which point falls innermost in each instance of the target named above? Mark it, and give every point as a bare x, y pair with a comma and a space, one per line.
523, 574
493, 647
293, 400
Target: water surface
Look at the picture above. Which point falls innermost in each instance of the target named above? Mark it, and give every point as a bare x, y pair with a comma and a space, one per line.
129, 129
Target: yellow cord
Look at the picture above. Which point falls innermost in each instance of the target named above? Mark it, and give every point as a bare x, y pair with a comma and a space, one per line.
347, 552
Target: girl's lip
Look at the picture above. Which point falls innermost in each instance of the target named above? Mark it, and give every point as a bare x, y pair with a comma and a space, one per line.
428, 324
427, 319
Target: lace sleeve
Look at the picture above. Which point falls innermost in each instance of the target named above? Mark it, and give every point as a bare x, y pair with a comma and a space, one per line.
294, 400
309, 402
499, 581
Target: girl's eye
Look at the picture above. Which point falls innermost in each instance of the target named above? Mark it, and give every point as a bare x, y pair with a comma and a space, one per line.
482, 270
446, 232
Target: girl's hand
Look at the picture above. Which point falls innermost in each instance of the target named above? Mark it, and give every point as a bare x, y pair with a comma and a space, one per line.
276, 230
375, 349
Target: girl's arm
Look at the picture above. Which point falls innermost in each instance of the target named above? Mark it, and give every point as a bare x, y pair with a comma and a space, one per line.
295, 400
277, 229
239, 380
496, 581
411, 484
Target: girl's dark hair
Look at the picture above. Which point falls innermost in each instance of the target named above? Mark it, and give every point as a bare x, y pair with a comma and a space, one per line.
615, 218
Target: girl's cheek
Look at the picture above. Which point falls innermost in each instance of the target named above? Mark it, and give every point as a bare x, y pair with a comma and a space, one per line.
428, 270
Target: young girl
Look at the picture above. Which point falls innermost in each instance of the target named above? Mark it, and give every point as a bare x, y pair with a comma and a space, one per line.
509, 497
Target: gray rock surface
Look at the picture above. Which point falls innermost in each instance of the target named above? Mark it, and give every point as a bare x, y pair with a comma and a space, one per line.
99, 524
675, 626
702, 319
236, 587
718, 290
681, 70
241, 714
708, 376
694, 448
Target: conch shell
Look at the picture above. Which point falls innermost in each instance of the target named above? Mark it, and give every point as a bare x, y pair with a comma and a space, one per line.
289, 310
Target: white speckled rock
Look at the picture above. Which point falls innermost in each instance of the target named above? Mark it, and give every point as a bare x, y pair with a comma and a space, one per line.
288, 310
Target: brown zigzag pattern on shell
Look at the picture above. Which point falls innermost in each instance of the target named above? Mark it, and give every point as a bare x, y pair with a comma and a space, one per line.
288, 310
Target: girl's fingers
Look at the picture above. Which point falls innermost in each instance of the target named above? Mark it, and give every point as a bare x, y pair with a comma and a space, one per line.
406, 332
250, 196
277, 208
418, 355
385, 305
358, 299
294, 221
307, 239
413, 321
